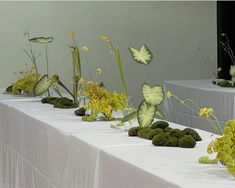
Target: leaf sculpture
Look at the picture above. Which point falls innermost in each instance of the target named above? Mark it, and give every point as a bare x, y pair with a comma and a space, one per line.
43, 40
142, 56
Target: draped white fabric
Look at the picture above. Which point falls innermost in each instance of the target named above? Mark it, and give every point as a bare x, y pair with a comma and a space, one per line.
44, 147
204, 94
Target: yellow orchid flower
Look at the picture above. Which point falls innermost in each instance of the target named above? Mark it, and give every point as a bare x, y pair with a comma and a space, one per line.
72, 34
104, 38
85, 48
205, 112
168, 94
98, 71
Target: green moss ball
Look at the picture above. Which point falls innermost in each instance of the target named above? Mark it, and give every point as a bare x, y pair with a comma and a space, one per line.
64, 102
187, 142
9, 89
80, 111
160, 124
172, 142
133, 131
168, 129
154, 132
45, 100
177, 133
143, 133
160, 139
193, 133
52, 100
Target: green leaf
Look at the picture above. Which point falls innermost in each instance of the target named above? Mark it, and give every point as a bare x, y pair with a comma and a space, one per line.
129, 117
145, 114
43, 40
42, 86
160, 114
153, 95
56, 89
142, 56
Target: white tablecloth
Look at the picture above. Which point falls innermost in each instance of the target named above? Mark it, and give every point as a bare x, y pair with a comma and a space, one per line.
204, 94
43, 147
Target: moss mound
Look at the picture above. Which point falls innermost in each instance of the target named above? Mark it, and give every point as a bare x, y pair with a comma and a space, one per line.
160, 124
160, 139
9, 89
143, 133
80, 111
168, 129
187, 142
64, 102
172, 142
176, 133
133, 131
154, 132
193, 133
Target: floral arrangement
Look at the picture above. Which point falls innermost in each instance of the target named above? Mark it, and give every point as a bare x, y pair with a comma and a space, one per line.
101, 101
224, 145
25, 84
142, 56
45, 83
226, 47
204, 112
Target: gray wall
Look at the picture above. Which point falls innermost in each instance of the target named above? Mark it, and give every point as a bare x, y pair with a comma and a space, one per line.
172, 30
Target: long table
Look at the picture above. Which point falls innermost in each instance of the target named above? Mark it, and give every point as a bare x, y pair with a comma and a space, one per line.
204, 94
44, 147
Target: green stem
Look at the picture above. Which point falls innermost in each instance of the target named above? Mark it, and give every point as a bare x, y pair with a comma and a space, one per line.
119, 62
47, 62
63, 86
48, 91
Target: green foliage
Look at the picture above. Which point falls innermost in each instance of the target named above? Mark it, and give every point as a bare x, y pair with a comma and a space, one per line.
160, 124
186, 142
143, 56
145, 114
193, 133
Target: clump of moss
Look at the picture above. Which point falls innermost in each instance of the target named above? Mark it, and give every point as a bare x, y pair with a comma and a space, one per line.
133, 131
154, 132
160, 139
176, 133
186, 142
193, 133
9, 89
172, 142
160, 124
143, 133
168, 129
224, 83
49, 100
45, 100
52, 100
80, 111
64, 102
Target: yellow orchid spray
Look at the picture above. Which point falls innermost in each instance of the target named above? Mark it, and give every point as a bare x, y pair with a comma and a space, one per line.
206, 113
